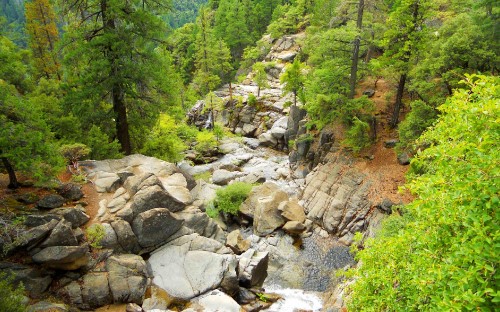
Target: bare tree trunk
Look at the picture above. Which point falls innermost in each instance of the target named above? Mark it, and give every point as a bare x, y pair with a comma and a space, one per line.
13, 183
399, 101
355, 52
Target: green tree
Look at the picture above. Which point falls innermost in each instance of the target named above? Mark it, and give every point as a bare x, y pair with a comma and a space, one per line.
443, 252
293, 79
112, 64
260, 76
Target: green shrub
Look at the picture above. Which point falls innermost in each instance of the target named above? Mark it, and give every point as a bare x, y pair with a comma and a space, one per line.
358, 136
100, 145
165, 141
95, 234
229, 199
205, 141
11, 297
252, 99
420, 118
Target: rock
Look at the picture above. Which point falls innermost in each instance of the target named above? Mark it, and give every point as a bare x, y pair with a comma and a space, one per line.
391, 143
70, 191
50, 202
245, 296
287, 56
159, 299
294, 227
45, 306
236, 242
267, 139
127, 275
134, 183
222, 177
386, 206
292, 211
76, 216
267, 216
369, 92
403, 159
155, 226
154, 197
294, 117
176, 179
189, 266
203, 193
32, 237
27, 198
126, 237
217, 301
253, 268
34, 280
95, 291
201, 223
133, 307
37, 220
61, 235
110, 239
248, 130
107, 182
63, 257
247, 208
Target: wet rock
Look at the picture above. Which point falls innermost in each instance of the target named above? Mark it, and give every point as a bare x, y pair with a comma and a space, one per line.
236, 242
63, 257
155, 226
253, 268
127, 276
70, 191
50, 202
61, 235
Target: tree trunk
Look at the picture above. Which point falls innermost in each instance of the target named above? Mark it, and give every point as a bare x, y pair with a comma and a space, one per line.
13, 183
258, 91
399, 100
294, 98
355, 52
230, 91
117, 92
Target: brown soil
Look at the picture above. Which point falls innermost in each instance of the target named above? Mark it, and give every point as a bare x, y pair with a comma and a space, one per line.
388, 175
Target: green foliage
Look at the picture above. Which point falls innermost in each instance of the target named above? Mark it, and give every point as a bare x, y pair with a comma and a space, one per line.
205, 142
168, 139
252, 100
11, 297
95, 234
260, 76
101, 147
184, 12
420, 118
74, 152
293, 79
443, 253
205, 176
229, 199
292, 19
358, 136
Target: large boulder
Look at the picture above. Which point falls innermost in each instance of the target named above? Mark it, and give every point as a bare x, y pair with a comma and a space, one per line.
125, 236
192, 265
127, 275
63, 257
70, 191
223, 177
203, 193
50, 202
217, 301
32, 237
155, 226
292, 211
61, 235
267, 216
95, 291
34, 280
107, 182
201, 223
76, 216
154, 197
247, 208
253, 268
236, 242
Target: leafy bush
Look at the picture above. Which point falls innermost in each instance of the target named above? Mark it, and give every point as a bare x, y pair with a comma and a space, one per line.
443, 253
95, 234
11, 297
420, 118
357, 136
100, 145
168, 139
229, 199
205, 142
252, 99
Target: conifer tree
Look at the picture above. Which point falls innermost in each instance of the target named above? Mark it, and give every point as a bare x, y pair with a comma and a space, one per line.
43, 36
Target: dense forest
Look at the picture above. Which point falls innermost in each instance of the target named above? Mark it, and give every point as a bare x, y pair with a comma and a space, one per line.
100, 79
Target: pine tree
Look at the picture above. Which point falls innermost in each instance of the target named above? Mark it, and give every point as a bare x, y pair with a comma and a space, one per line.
293, 79
43, 36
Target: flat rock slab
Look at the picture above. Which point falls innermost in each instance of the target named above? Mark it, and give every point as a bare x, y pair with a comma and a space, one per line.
187, 270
